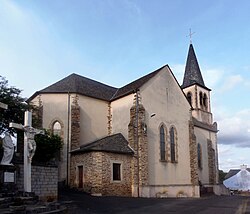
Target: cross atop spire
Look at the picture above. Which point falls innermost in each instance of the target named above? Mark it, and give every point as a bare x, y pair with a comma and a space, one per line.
190, 35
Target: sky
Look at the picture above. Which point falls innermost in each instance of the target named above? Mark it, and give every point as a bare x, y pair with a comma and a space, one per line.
118, 41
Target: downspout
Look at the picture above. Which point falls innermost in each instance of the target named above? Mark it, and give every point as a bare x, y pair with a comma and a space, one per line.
67, 173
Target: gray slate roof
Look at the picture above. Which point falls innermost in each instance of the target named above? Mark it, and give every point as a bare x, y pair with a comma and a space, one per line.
114, 143
192, 70
133, 86
75, 83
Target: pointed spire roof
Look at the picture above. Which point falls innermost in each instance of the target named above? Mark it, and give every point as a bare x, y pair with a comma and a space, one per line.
192, 71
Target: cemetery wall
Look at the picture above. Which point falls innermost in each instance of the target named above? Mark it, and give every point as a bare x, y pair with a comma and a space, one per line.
43, 181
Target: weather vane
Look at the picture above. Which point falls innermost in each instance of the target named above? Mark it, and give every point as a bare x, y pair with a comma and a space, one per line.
190, 35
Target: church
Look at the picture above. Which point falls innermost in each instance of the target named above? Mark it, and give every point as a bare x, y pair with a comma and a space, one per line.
150, 138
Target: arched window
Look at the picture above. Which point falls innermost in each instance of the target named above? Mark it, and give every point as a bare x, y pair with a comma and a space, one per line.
201, 98
189, 98
172, 144
57, 128
162, 143
199, 155
205, 100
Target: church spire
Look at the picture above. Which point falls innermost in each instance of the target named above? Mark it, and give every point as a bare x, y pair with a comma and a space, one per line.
192, 71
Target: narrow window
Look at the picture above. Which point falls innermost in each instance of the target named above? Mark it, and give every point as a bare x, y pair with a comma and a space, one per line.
172, 144
199, 155
57, 128
116, 172
205, 100
200, 95
162, 143
189, 98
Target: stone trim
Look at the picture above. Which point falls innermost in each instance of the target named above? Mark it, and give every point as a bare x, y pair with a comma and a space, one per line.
142, 146
193, 155
109, 119
75, 124
211, 163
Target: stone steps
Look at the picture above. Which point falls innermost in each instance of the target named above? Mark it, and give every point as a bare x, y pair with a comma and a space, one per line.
26, 203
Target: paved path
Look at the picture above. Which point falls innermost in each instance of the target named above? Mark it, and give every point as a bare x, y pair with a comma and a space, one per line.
83, 203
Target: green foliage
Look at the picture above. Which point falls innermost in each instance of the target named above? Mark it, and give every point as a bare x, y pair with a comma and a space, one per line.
222, 176
47, 147
16, 104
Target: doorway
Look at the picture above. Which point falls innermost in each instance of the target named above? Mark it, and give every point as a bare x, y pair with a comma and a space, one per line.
80, 176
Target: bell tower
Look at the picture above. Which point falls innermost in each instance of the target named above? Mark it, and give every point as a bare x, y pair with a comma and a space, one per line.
194, 87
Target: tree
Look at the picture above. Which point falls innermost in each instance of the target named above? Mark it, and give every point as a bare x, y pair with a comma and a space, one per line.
16, 105
48, 145
222, 175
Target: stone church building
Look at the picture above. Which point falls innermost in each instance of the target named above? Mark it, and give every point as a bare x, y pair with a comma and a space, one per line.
149, 138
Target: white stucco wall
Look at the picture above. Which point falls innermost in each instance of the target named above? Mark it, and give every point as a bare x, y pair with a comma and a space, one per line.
162, 96
55, 108
202, 136
121, 115
94, 121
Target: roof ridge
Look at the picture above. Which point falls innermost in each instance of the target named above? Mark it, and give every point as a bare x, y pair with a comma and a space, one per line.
134, 85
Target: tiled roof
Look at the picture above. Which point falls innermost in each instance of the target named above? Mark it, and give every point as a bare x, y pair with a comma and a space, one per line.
192, 70
206, 126
115, 143
133, 86
75, 83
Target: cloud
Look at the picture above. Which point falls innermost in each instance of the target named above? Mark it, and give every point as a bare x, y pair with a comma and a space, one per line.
231, 157
235, 129
231, 82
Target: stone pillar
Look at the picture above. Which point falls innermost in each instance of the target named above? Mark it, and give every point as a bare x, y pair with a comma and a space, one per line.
139, 143
109, 119
75, 125
193, 155
211, 163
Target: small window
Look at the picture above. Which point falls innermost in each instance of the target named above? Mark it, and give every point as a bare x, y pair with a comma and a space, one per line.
116, 172
57, 128
172, 144
199, 155
205, 100
162, 143
189, 98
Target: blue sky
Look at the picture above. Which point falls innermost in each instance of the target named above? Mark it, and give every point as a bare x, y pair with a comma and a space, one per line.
118, 41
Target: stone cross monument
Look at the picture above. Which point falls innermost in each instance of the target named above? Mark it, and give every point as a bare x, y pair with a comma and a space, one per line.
29, 146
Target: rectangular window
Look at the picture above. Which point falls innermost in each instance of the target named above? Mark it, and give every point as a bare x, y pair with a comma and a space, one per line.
116, 172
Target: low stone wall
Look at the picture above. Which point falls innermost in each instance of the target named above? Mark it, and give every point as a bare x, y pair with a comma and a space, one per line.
43, 181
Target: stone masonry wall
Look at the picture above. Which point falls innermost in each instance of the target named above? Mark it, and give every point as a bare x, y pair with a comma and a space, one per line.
211, 163
75, 126
142, 141
97, 173
43, 181
193, 155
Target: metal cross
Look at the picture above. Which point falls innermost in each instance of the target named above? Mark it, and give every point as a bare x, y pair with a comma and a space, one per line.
190, 35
